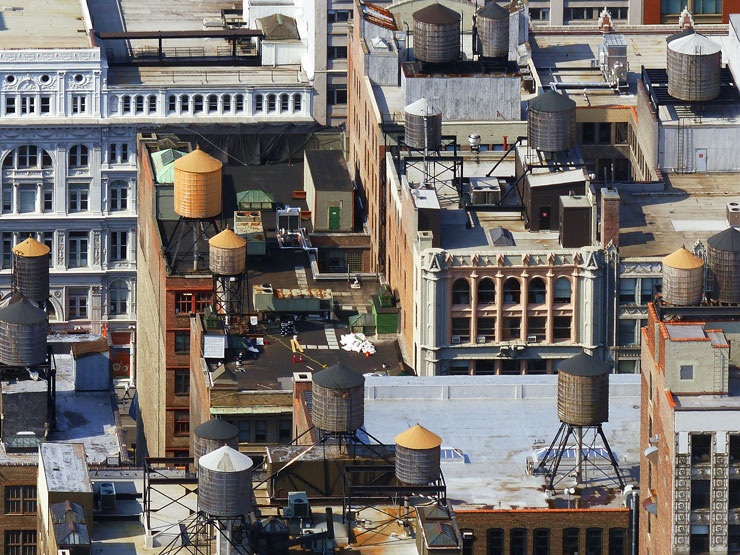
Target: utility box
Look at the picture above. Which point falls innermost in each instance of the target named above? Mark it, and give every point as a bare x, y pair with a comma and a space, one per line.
575, 221
330, 193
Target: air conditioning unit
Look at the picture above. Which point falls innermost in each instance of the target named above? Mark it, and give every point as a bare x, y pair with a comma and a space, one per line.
531, 339
63, 552
108, 497
481, 339
456, 340
298, 506
485, 193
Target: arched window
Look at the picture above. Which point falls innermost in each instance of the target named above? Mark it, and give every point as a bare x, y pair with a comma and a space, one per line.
78, 156
185, 103
461, 292
512, 291
172, 103
271, 103
486, 291
114, 104
118, 199
562, 291
297, 103
197, 104
152, 104
239, 103
226, 99
118, 298
139, 104
258, 102
284, 103
126, 104
212, 103
537, 292
26, 157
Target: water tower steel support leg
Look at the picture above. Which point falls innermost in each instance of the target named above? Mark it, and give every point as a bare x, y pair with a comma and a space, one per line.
561, 450
543, 462
612, 459
579, 454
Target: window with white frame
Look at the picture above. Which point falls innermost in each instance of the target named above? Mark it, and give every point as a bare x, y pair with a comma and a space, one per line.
79, 104
48, 199
27, 157
126, 104
118, 298
47, 238
152, 104
45, 104
79, 194
77, 247
28, 105
239, 103
258, 103
118, 153
197, 104
6, 246
226, 100
9, 105
284, 103
297, 103
185, 104
118, 196
77, 303
139, 104
27, 198
212, 103
271, 103
78, 156
118, 246
172, 103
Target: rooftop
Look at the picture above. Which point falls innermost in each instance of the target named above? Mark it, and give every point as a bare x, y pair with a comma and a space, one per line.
484, 464
43, 24
692, 208
65, 467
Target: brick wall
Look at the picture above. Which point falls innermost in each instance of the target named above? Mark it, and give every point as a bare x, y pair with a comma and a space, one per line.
479, 522
15, 476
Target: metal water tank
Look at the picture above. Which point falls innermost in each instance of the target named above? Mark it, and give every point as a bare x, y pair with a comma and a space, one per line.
683, 278
694, 64
225, 483
723, 261
436, 34
551, 122
23, 330
422, 125
31, 270
227, 254
583, 391
492, 25
338, 399
197, 185
213, 434
417, 456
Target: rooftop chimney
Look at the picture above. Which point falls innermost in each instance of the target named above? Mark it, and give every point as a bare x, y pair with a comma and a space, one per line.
609, 216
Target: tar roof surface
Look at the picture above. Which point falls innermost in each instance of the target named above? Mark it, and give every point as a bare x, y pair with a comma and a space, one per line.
65, 467
329, 170
43, 24
495, 422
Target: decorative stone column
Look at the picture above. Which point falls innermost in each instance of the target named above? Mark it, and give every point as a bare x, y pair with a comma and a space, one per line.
524, 303
574, 303
718, 527
474, 307
499, 278
550, 299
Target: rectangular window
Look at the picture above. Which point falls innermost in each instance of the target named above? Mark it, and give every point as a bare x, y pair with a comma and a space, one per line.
112, 153
239, 103
20, 542
734, 496
687, 372
260, 431
7, 197
561, 328
126, 104
118, 245
458, 368
571, 539
626, 333
284, 102
646, 289
183, 303
617, 541
700, 490
48, 198
495, 538
605, 133
336, 95
10, 105
627, 290
733, 540
79, 104
28, 105
518, 541
701, 448
486, 329
588, 133
511, 329
202, 302
541, 541
271, 103
7, 248
152, 108
20, 500
197, 104
77, 304
182, 381
336, 52
212, 103
672, 6
245, 431
27, 199
735, 448
47, 238
182, 422
707, 6
485, 367
536, 326
620, 133
461, 329
45, 104
78, 198
78, 242
285, 430
118, 301
182, 342
511, 367
139, 104
593, 541
118, 196
124, 153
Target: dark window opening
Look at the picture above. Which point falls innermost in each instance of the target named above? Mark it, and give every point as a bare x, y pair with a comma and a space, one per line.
701, 447
700, 491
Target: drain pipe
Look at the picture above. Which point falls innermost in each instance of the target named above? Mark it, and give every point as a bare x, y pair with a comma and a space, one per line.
575, 85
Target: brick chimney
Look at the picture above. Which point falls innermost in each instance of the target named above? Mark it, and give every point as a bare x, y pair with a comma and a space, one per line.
609, 216
302, 383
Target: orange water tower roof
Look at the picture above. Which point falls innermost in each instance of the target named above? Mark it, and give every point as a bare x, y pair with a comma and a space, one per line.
198, 161
31, 248
227, 239
418, 437
683, 260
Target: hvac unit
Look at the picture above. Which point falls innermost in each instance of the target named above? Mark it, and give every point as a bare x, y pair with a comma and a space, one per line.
298, 506
485, 193
481, 339
531, 339
456, 340
63, 552
108, 497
